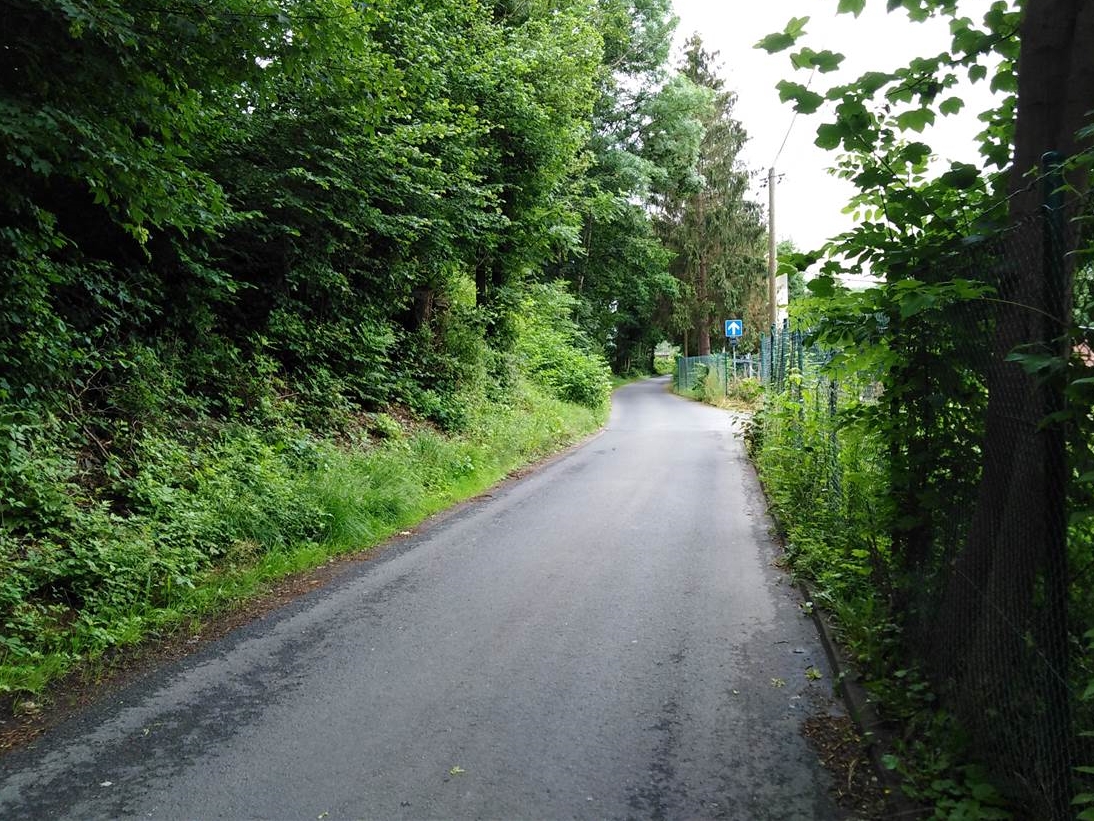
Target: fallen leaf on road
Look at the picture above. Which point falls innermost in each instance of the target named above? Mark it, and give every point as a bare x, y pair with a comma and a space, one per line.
457, 770
778, 682
813, 674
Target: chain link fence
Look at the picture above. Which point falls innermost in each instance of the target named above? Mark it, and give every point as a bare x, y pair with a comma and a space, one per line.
692, 371
983, 404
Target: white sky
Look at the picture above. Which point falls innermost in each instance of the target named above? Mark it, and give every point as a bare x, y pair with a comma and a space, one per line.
809, 200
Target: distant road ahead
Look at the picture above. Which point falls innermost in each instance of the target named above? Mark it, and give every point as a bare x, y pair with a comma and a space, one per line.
606, 638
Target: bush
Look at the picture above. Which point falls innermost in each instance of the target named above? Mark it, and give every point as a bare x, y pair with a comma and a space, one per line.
663, 365
36, 471
745, 390
554, 353
708, 386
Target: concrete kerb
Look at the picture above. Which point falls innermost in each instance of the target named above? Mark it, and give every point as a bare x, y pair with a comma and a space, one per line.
874, 731
878, 736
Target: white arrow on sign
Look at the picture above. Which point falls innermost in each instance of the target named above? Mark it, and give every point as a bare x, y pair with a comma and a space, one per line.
734, 328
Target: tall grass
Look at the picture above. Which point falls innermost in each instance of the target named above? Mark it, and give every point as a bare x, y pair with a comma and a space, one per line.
219, 523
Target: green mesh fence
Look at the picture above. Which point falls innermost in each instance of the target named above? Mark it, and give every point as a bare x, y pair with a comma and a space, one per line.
985, 410
693, 371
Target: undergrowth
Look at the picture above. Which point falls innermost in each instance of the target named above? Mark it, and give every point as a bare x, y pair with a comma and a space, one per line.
217, 517
740, 394
136, 497
825, 475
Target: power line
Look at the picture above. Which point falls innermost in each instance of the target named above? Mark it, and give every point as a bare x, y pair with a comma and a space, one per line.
793, 119
772, 291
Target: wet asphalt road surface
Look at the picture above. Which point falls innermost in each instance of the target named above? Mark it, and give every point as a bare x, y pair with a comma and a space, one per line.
606, 638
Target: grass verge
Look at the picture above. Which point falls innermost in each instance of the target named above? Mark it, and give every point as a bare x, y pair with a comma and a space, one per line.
225, 521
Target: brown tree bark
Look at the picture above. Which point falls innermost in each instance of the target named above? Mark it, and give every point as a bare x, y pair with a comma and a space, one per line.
704, 316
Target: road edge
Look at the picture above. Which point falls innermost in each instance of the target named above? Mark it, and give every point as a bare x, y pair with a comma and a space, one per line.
85, 687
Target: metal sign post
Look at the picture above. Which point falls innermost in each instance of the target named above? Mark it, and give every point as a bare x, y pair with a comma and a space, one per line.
735, 329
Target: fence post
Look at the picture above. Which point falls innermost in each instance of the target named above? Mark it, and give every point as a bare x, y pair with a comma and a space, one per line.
801, 354
798, 358
1055, 338
835, 480
771, 351
784, 338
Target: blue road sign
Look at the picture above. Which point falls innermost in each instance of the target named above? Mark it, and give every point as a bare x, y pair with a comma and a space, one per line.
734, 328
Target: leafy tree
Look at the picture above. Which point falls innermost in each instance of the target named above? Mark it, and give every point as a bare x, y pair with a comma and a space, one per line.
619, 269
105, 107
358, 177
536, 97
714, 231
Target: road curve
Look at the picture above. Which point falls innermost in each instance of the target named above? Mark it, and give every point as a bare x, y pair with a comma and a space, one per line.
606, 638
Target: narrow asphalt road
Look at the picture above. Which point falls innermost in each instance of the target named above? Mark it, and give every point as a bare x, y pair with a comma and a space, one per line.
606, 638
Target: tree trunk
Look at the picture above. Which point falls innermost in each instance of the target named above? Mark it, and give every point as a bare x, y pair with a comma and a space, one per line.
702, 301
422, 313
704, 336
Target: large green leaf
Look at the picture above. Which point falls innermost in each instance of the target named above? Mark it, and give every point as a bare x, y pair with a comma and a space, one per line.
780, 41
916, 119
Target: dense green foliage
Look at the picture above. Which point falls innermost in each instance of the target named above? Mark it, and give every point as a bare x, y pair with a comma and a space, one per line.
552, 349
238, 238
826, 474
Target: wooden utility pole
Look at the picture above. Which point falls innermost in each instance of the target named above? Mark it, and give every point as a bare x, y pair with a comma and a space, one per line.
771, 295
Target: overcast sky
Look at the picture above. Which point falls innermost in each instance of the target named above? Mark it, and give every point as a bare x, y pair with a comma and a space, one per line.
808, 200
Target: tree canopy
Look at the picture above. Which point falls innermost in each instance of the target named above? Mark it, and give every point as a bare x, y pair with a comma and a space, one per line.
268, 213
